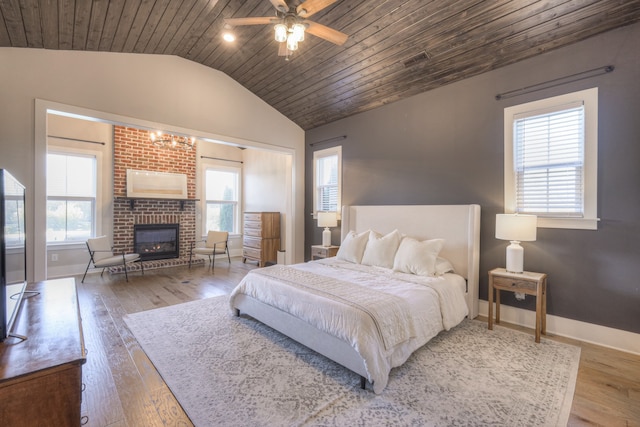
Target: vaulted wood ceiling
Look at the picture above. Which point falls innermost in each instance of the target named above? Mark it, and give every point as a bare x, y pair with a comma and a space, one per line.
395, 49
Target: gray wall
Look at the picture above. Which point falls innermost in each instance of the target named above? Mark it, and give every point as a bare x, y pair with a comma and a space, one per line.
446, 147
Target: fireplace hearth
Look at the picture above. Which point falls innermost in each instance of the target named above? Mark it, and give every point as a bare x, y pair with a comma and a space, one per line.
156, 241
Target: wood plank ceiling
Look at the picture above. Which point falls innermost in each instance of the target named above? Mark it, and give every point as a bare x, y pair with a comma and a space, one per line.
443, 40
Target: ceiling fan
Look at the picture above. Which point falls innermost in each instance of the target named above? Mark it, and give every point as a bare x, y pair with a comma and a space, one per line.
290, 24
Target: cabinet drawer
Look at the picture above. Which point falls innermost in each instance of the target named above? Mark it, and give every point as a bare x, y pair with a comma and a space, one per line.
253, 224
253, 216
318, 252
251, 253
252, 242
508, 283
253, 232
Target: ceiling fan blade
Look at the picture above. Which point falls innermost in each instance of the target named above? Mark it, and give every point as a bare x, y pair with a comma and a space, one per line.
309, 7
324, 32
280, 5
252, 20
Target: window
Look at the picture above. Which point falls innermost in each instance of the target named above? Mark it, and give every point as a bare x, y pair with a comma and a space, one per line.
327, 180
14, 236
71, 197
222, 192
551, 160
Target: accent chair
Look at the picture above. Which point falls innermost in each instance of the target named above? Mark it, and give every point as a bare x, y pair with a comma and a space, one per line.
102, 256
217, 243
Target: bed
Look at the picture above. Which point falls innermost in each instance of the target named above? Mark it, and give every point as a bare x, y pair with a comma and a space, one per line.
291, 299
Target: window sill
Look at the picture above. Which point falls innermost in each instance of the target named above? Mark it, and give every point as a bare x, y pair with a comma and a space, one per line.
67, 246
569, 223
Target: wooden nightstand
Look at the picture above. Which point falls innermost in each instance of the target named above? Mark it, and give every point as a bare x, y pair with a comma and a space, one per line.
319, 251
527, 283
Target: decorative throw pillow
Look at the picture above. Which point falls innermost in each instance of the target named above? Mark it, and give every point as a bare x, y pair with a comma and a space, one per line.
443, 266
417, 257
381, 250
352, 247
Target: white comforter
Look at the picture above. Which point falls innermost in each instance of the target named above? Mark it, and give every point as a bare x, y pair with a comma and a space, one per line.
433, 304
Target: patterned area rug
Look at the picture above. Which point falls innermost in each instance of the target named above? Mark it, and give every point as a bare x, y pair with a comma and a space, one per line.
232, 371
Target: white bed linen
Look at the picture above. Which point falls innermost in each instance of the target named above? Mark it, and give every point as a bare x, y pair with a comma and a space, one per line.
435, 304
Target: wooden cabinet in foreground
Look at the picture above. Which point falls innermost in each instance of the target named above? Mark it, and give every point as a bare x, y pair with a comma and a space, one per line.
41, 377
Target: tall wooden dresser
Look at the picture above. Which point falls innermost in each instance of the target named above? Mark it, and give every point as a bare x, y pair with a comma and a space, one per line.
261, 240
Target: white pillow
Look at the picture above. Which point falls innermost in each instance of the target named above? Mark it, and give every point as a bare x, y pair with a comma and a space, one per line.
443, 266
418, 257
381, 250
352, 247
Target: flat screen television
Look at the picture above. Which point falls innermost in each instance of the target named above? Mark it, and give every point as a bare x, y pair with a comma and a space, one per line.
13, 255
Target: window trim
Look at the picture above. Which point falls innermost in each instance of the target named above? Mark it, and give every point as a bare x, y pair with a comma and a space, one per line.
97, 211
327, 152
589, 98
238, 211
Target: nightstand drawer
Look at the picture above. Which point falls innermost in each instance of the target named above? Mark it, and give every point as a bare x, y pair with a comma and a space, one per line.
508, 283
318, 252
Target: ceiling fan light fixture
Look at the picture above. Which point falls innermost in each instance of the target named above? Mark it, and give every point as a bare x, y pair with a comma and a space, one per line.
229, 37
292, 42
290, 24
280, 32
298, 31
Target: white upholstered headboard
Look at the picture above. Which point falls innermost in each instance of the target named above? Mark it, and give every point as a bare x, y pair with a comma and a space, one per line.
458, 225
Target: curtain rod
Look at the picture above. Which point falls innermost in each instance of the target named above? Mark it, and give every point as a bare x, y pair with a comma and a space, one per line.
335, 138
218, 158
556, 82
76, 139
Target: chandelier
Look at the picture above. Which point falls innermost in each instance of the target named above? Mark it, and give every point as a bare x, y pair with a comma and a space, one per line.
290, 30
178, 142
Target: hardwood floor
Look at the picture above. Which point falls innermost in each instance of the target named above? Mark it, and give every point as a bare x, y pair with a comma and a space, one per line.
124, 389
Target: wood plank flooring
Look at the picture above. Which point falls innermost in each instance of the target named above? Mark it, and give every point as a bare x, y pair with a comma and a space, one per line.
122, 387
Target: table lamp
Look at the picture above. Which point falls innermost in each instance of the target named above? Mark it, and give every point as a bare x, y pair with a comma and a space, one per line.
326, 220
516, 228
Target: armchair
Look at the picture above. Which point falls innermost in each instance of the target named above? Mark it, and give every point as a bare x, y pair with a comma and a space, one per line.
102, 256
217, 243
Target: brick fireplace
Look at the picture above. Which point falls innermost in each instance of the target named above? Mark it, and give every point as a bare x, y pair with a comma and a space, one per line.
133, 150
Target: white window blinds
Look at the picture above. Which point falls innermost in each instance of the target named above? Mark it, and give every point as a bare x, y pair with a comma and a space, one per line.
549, 161
327, 187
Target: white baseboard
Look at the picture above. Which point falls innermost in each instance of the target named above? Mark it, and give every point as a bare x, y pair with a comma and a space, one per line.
588, 332
57, 272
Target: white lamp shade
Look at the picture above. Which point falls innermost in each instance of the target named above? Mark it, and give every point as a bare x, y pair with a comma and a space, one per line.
327, 219
516, 227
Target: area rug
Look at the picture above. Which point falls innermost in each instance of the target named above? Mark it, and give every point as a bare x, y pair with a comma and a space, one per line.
233, 371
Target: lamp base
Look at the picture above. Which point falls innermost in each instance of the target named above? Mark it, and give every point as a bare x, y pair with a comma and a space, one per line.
326, 237
515, 257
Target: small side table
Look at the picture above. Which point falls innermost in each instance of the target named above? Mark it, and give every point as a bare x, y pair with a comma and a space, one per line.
320, 252
527, 283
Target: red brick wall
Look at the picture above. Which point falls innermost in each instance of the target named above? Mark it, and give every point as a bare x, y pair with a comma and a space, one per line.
133, 150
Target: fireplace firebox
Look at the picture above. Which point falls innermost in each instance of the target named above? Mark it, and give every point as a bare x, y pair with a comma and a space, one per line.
156, 241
